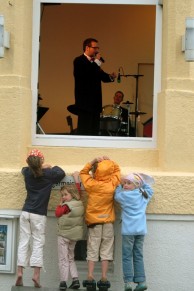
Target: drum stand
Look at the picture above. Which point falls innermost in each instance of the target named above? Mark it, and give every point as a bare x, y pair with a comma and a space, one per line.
128, 130
127, 104
136, 100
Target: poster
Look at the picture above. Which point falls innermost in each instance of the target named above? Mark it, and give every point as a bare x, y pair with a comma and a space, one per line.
8, 236
3, 244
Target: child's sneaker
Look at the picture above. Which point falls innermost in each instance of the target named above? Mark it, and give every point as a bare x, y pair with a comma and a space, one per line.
128, 286
141, 286
63, 285
103, 279
103, 284
90, 283
75, 284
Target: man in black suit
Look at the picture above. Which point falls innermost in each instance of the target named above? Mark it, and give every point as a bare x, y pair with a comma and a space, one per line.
88, 92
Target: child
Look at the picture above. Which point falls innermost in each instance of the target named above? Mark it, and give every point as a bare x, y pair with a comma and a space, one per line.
39, 179
70, 229
133, 198
100, 214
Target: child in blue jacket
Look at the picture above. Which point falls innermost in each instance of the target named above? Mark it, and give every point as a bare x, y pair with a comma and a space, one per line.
133, 196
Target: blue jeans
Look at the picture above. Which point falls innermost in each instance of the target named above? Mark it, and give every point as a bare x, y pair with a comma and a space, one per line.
132, 253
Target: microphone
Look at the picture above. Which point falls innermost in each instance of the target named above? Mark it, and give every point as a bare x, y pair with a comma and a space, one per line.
102, 60
119, 77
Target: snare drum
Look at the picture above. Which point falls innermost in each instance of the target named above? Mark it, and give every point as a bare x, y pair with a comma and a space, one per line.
113, 111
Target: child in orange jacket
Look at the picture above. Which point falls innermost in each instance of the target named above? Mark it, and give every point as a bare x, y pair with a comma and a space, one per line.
100, 178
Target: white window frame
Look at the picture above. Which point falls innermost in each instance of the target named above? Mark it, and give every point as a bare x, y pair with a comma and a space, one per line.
11, 223
96, 141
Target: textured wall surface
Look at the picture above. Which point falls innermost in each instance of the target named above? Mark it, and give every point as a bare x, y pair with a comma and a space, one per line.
171, 195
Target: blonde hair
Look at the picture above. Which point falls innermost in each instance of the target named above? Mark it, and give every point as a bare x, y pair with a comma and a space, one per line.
72, 189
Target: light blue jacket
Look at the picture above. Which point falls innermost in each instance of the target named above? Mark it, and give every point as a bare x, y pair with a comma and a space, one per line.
133, 206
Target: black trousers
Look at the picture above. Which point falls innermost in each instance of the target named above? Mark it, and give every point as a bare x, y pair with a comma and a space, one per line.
88, 123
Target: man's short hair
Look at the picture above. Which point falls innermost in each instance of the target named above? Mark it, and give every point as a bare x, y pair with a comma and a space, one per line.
88, 42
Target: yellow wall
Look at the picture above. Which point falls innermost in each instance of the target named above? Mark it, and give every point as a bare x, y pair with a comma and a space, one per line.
176, 101
171, 163
15, 84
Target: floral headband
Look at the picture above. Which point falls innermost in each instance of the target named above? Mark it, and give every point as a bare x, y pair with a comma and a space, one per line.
135, 179
35, 153
139, 179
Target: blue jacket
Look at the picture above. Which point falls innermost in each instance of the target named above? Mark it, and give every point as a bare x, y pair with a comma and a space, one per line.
133, 205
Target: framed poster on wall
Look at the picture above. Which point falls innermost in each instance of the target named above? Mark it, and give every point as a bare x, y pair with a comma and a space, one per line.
7, 244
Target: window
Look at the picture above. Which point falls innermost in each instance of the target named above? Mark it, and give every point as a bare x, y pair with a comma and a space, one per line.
7, 244
131, 46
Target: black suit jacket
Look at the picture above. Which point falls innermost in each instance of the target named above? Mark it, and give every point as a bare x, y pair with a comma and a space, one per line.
88, 91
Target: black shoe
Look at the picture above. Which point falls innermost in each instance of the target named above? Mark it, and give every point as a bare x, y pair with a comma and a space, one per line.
103, 284
74, 285
63, 285
90, 284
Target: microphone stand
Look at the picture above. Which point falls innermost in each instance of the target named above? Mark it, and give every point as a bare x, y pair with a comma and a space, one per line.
136, 76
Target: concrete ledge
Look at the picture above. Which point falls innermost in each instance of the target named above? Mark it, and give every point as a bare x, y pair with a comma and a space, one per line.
30, 288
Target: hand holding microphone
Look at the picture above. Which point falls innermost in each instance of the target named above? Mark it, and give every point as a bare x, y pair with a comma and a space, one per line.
98, 56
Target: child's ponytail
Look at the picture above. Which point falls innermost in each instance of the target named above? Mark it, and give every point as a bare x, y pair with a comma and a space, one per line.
35, 165
35, 160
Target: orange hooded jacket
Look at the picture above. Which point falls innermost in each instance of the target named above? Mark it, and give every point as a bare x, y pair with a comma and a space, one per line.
100, 190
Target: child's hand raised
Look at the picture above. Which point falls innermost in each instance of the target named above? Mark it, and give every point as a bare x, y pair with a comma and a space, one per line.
45, 166
105, 158
94, 161
76, 176
99, 159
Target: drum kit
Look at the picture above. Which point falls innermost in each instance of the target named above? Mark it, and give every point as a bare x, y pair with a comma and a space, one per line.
111, 121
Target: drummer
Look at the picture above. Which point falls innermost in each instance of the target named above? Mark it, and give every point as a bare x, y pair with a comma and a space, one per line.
118, 98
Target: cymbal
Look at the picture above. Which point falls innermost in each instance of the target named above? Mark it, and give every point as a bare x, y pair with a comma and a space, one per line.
72, 109
137, 113
127, 103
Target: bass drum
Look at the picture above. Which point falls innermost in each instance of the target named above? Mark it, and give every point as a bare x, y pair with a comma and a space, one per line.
110, 125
